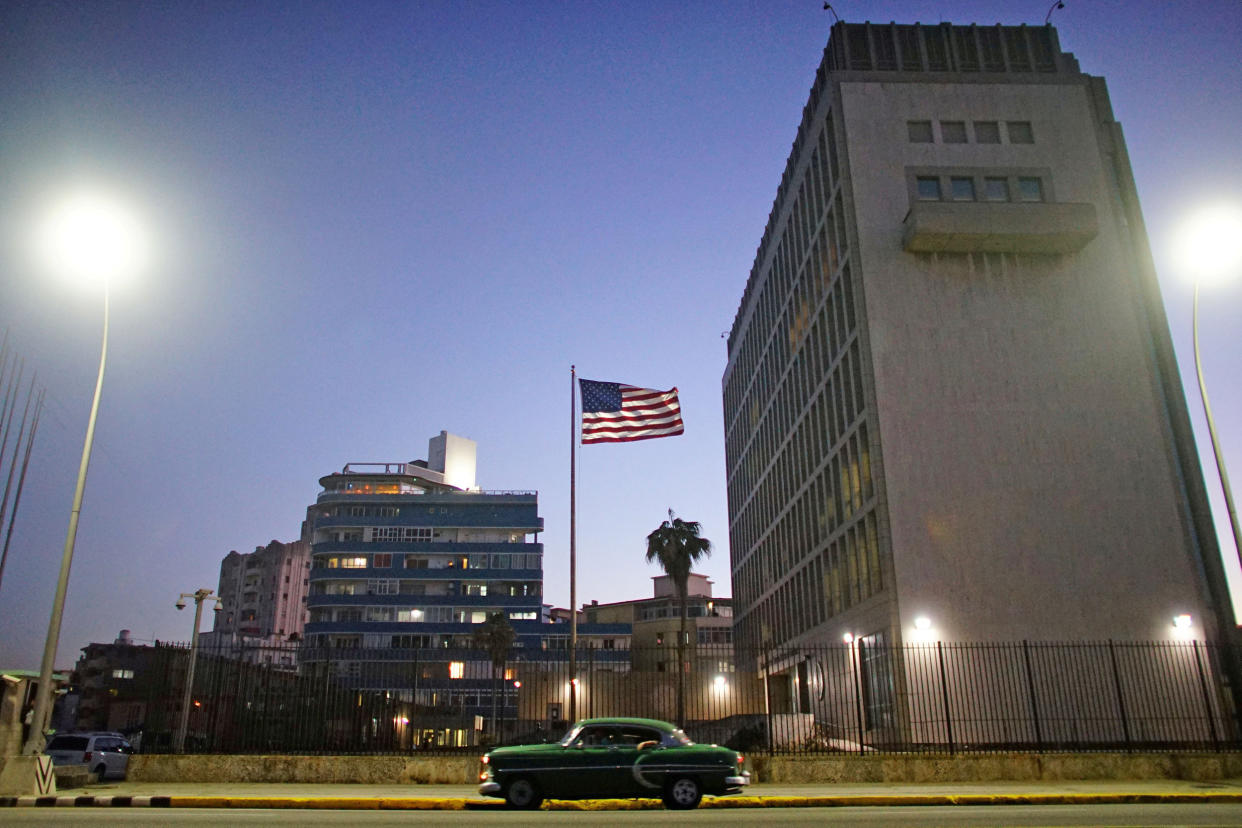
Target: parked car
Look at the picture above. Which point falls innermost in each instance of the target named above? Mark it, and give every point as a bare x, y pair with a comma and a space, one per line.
105, 753
613, 758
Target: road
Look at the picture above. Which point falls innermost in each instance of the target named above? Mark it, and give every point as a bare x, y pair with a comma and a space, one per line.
865, 817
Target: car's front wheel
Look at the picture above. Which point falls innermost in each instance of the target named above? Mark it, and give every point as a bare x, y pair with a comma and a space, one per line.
523, 794
682, 794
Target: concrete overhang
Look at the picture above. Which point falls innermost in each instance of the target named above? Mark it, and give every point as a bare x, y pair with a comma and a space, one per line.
974, 227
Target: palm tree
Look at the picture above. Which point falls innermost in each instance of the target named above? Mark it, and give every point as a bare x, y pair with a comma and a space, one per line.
496, 636
676, 545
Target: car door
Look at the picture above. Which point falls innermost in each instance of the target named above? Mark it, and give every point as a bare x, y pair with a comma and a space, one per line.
633, 760
590, 764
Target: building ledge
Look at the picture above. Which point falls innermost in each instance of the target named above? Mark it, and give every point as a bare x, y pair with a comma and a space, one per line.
973, 227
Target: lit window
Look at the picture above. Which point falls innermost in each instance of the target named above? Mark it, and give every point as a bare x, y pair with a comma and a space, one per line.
1030, 189
963, 189
996, 189
358, 562
1020, 132
457, 669
953, 132
929, 189
122, 674
987, 132
920, 132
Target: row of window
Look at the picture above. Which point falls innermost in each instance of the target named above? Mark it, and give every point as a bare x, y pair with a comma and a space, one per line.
817, 200
983, 132
416, 615
396, 586
994, 188
388, 560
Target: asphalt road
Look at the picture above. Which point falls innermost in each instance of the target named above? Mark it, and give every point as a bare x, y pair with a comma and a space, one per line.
992, 815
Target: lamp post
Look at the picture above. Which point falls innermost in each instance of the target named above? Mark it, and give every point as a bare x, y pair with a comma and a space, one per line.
88, 239
199, 596
1211, 248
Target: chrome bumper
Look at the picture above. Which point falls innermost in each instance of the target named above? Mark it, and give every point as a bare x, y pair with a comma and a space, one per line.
737, 781
489, 789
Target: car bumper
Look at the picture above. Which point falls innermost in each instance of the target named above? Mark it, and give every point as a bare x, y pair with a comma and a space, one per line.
489, 789
733, 784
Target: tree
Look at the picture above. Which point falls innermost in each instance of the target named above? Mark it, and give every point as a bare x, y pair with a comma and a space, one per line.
496, 636
676, 546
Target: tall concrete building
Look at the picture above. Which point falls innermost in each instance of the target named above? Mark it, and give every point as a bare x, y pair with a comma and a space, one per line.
263, 595
951, 396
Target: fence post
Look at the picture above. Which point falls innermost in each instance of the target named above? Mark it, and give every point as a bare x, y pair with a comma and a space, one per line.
1030, 687
1121, 702
1207, 699
944, 693
856, 661
767, 699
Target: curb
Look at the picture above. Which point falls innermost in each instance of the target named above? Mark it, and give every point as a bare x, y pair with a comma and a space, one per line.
462, 804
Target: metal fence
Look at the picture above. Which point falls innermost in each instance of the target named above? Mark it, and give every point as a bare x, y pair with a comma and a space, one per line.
943, 698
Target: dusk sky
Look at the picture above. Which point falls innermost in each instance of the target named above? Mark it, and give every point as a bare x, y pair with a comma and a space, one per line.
378, 220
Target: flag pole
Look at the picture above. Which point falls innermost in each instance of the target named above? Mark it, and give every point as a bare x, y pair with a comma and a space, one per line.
573, 551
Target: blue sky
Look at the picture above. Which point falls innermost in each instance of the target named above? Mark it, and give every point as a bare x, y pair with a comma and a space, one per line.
379, 220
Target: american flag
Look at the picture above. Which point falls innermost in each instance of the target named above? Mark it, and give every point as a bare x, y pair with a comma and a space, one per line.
616, 413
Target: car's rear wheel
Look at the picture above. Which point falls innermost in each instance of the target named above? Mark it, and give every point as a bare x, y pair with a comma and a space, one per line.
523, 794
682, 793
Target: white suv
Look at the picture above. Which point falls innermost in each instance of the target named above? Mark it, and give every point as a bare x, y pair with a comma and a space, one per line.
105, 753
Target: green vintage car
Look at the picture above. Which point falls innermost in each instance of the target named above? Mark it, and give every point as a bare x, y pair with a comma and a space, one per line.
612, 759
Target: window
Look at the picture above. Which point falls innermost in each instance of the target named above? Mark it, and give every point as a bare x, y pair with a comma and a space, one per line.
386, 586
928, 188
963, 188
1020, 132
1030, 189
355, 562
122, 674
953, 132
383, 561
996, 189
457, 669
415, 563
920, 132
987, 132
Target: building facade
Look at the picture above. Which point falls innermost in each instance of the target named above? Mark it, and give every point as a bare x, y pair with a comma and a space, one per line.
407, 561
263, 595
656, 622
952, 410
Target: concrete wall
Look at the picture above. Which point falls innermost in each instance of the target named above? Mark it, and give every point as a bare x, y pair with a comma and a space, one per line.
1026, 453
463, 770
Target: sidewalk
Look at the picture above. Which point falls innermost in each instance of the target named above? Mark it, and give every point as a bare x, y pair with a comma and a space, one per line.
461, 797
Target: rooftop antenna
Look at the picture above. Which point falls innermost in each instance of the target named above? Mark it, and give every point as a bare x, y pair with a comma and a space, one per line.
1060, 4
828, 8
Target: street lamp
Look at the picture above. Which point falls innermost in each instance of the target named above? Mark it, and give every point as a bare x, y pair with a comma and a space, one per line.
199, 596
1210, 246
89, 239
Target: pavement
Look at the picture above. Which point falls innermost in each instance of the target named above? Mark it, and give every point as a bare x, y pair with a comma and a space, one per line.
463, 797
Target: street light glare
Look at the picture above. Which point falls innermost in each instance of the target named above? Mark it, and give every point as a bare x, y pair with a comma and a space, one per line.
90, 238
1209, 243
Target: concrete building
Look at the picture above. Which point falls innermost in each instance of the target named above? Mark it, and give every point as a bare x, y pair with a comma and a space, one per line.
951, 396
656, 621
263, 595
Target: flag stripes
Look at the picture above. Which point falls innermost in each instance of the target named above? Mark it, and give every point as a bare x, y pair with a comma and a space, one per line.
617, 413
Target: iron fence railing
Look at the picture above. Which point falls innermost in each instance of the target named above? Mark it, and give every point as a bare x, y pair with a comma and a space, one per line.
855, 698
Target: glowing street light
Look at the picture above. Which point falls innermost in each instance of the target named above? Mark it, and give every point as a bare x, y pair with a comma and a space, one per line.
1210, 247
89, 239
